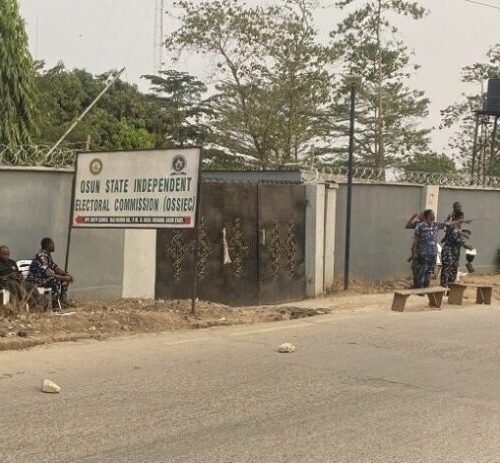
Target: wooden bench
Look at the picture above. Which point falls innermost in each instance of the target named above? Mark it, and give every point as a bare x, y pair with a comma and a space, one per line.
434, 294
457, 290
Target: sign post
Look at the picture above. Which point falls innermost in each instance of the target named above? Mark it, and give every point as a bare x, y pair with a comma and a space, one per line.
144, 189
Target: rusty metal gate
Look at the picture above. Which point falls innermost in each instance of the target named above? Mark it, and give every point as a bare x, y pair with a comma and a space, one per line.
251, 246
282, 218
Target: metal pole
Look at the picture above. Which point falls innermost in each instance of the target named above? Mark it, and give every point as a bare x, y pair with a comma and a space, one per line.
474, 149
194, 294
71, 213
97, 98
349, 189
492, 149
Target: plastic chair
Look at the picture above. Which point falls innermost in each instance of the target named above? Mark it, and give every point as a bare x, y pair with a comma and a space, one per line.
24, 268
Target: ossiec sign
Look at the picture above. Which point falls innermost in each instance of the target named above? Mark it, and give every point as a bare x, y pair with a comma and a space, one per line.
136, 189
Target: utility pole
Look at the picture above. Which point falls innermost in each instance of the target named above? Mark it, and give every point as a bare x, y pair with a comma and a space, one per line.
352, 81
159, 36
91, 105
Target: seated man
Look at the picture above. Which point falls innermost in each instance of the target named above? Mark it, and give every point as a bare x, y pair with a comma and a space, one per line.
12, 280
45, 273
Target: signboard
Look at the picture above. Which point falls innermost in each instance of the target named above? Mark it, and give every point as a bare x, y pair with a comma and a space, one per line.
136, 189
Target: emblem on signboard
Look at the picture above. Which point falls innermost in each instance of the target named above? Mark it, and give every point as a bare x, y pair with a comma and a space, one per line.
179, 164
95, 167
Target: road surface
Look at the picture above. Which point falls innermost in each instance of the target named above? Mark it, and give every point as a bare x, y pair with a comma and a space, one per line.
363, 386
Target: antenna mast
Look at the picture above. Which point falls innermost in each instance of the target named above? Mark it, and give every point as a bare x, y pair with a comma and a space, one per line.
159, 38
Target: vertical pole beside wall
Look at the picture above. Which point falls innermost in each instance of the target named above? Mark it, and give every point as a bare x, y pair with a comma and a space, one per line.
474, 149
349, 189
196, 241
195, 267
492, 149
70, 222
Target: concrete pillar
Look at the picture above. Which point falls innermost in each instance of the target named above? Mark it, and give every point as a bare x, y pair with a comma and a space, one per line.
139, 265
430, 197
330, 218
315, 239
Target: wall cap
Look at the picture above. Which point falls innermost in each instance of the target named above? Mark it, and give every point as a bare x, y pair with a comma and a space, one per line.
62, 170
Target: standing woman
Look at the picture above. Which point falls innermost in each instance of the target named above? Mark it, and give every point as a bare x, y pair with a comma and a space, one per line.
455, 240
424, 250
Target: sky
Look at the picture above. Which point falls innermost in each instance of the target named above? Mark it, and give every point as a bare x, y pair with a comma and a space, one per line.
100, 35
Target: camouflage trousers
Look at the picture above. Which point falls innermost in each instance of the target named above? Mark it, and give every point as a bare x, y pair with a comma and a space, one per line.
450, 256
423, 270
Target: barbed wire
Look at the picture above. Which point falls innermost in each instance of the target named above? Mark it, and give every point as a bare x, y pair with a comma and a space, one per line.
37, 156
398, 175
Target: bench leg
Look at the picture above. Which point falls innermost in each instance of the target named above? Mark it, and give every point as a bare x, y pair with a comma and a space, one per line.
484, 296
456, 296
435, 300
398, 303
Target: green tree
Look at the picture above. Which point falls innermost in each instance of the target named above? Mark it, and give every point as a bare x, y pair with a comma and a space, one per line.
183, 109
17, 95
185, 116
389, 112
432, 163
272, 79
130, 137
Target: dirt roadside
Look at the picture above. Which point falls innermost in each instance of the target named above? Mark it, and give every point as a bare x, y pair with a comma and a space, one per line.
100, 320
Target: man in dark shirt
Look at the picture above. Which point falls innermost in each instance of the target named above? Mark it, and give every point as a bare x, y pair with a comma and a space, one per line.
12, 280
8, 267
44, 272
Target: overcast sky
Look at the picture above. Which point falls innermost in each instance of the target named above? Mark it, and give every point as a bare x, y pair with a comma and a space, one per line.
103, 34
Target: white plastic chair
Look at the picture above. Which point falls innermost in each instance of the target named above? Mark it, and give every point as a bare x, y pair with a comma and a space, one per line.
24, 268
439, 263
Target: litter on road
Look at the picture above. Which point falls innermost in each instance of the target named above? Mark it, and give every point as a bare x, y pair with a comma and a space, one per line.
286, 348
50, 387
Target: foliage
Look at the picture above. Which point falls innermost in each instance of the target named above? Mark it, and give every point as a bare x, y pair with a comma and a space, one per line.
431, 162
185, 116
176, 112
273, 98
271, 75
119, 120
182, 112
389, 112
17, 96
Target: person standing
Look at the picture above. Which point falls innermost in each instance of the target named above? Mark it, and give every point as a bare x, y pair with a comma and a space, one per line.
411, 224
455, 214
45, 273
451, 252
457, 210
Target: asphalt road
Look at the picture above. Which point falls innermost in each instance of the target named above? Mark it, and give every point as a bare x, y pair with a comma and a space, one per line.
365, 386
